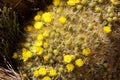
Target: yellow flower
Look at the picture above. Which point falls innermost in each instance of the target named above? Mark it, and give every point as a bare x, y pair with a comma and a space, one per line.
37, 17
70, 67
62, 20
40, 37
38, 43
28, 28
68, 58
53, 72
42, 71
38, 25
26, 54
47, 17
15, 55
79, 62
107, 29
86, 51
36, 73
38, 50
77, 1
56, 2
71, 2
46, 78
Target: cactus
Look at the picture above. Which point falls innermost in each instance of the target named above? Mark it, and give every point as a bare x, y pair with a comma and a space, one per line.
70, 41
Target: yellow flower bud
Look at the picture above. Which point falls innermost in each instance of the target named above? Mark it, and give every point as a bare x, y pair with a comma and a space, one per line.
28, 28
37, 18
56, 2
46, 58
107, 29
86, 51
62, 20
15, 55
24, 75
40, 37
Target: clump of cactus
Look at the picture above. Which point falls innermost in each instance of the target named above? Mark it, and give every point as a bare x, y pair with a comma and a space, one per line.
65, 42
